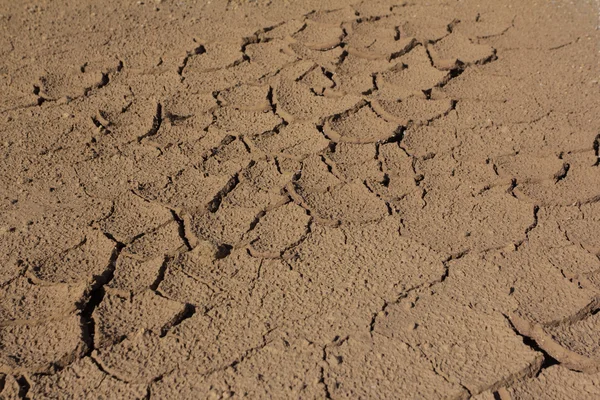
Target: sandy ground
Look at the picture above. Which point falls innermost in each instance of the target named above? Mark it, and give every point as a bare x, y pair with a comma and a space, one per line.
299, 199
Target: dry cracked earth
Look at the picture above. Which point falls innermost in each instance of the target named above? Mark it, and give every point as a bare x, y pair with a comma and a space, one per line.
299, 199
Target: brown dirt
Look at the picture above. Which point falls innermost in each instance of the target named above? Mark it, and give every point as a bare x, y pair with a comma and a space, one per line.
299, 199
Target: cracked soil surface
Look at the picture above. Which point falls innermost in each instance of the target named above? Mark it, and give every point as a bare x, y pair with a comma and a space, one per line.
299, 199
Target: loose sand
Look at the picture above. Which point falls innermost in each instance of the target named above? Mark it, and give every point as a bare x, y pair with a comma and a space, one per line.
299, 199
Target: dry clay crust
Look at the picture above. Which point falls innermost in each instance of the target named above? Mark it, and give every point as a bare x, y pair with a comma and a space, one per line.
300, 199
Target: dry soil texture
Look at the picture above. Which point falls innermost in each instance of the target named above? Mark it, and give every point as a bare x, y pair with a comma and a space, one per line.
299, 199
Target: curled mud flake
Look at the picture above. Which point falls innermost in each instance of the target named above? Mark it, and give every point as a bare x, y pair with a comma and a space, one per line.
483, 25
132, 217
236, 121
182, 106
362, 125
286, 366
165, 239
196, 51
215, 56
413, 110
182, 287
318, 81
411, 75
315, 176
296, 141
189, 190
468, 216
488, 395
179, 130
40, 348
357, 75
24, 302
392, 189
225, 272
579, 338
366, 279
527, 168
427, 24
481, 353
584, 229
373, 10
394, 159
575, 184
156, 123
556, 382
295, 101
135, 275
246, 97
278, 230
127, 121
356, 161
232, 214
516, 282
225, 226
282, 31
327, 59
392, 363
76, 81
270, 56
120, 315
86, 262
224, 64
206, 143
318, 36
249, 197
456, 49
227, 159
518, 110
596, 147
249, 193
289, 166
397, 178
335, 17
377, 40
559, 354
208, 82
296, 70
84, 379
142, 358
